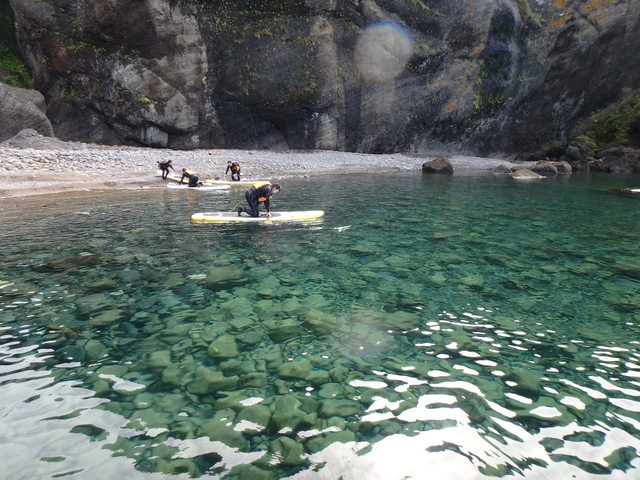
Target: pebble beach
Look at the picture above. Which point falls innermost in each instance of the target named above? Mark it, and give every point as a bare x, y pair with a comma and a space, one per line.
50, 166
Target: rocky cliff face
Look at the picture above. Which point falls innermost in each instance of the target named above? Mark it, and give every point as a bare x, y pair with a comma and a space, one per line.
471, 76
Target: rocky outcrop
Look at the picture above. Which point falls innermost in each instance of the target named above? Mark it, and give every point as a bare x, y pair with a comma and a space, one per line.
563, 167
525, 174
438, 165
502, 170
29, 138
616, 160
474, 76
546, 169
21, 108
577, 156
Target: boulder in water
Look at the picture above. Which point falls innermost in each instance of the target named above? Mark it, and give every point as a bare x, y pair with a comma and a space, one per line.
546, 169
438, 165
525, 174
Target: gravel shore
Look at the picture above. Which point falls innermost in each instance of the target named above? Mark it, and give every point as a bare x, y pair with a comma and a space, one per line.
52, 166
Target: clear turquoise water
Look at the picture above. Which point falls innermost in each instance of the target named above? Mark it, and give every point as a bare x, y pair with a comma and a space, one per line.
459, 327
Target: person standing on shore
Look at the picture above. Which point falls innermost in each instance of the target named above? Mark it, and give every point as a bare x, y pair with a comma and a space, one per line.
234, 167
191, 177
164, 167
260, 192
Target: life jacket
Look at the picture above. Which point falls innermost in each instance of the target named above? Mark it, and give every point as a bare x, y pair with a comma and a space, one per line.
187, 173
235, 167
259, 185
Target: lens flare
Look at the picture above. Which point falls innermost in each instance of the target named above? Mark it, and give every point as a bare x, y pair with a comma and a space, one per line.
382, 51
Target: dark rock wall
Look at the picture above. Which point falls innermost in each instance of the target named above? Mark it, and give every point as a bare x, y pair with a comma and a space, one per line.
473, 76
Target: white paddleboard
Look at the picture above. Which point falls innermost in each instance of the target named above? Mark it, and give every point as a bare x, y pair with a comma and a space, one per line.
231, 182
203, 188
275, 216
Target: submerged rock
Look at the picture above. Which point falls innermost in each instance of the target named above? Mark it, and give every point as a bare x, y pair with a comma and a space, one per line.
89, 304
287, 451
94, 349
629, 269
339, 408
223, 347
318, 377
106, 318
220, 428
284, 330
297, 369
320, 322
319, 443
69, 263
630, 192
257, 414
225, 276
288, 415
209, 381
159, 359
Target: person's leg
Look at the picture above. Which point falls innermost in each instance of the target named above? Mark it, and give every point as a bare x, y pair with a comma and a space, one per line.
193, 181
253, 209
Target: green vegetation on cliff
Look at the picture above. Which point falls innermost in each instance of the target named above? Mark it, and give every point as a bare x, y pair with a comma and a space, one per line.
616, 125
12, 68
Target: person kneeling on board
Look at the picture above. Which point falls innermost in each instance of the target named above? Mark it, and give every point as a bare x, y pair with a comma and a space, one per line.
164, 167
193, 179
234, 167
257, 194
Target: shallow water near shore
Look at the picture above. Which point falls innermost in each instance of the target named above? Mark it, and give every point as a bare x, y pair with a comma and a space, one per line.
427, 327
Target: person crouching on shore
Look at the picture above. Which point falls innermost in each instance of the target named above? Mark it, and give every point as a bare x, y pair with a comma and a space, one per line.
234, 168
191, 177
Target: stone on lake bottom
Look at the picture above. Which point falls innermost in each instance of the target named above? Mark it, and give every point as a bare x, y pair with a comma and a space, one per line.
297, 369
223, 347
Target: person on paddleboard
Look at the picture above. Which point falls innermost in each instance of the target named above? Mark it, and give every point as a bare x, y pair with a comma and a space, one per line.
260, 192
234, 168
165, 166
191, 177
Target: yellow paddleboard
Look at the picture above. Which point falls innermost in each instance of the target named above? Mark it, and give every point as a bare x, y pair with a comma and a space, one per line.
173, 177
231, 182
292, 216
204, 188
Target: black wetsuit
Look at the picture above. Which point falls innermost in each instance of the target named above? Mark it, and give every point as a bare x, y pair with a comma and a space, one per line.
193, 179
235, 171
256, 196
165, 166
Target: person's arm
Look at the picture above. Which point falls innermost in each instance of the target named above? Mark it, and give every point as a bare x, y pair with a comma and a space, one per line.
171, 166
182, 177
267, 202
227, 170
